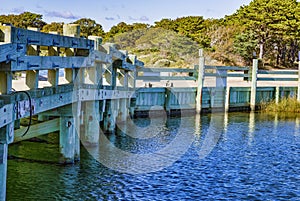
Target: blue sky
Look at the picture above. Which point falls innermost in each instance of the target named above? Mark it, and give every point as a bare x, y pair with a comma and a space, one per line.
109, 13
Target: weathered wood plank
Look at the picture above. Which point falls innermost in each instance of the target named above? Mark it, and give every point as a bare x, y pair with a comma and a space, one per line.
116, 54
175, 70
229, 68
49, 63
284, 72
24, 36
152, 90
37, 130
277, 79
6, 116
158, 78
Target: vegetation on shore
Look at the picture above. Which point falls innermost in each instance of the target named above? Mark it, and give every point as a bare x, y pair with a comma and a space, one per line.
285, 105
266, 29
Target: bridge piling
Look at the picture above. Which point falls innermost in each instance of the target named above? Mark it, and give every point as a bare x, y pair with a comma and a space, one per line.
67, 139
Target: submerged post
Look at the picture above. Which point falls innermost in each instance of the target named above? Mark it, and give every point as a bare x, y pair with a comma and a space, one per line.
253, 84
200, 81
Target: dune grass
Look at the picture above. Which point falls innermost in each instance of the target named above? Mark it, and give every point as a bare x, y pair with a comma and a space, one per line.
287, 105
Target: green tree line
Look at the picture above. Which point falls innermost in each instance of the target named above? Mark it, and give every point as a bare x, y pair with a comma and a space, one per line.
266, 29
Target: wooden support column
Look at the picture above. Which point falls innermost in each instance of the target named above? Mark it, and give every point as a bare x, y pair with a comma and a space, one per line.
253, 85
221, 79
6, 137
32, 79
53, 75
97, 42
277, 95
298, 96
32, 76
112, 108
92, 111
126, 78
67, 139
96, 74
91, 123
200, 81
123, 110
33, 50
114, 74
72, 30
227, 99
6, 82
3, 170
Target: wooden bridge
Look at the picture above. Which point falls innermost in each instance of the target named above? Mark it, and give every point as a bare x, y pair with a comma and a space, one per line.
71, 84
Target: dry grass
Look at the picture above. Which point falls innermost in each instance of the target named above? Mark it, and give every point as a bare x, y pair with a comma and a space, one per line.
290, 105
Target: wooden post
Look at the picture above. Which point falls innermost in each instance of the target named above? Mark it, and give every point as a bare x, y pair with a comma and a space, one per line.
227, 99
112, 108
126, 83
133, 58
92, 112
32, 79
277, 95
33, 50
3, 170
200, 81
253, 84
298, 96
91, 123
221, 79
6, 82
53, 77
123, 113
6, 137
114, 73
97, 41
72, 30
67, 139
96, 74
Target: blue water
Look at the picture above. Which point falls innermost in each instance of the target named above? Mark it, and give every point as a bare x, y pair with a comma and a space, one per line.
239, 156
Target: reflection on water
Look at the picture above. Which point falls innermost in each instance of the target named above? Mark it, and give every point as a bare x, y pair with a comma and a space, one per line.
235, 156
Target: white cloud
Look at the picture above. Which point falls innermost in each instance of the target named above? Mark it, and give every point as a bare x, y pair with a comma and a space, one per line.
64, 15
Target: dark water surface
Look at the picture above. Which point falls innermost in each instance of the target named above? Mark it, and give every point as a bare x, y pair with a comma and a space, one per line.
238, 156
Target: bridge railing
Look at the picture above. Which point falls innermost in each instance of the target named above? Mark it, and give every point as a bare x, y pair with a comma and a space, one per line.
97, 71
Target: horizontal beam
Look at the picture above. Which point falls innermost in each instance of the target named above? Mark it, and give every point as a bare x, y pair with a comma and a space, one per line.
29, 37
171, 70
111, 50
226, 75
277, 79
158, 78
49, 63
22, 63
234, 68
285, 72
37, 130
151, 90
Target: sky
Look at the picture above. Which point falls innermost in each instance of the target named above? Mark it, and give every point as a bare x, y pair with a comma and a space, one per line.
110, 13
